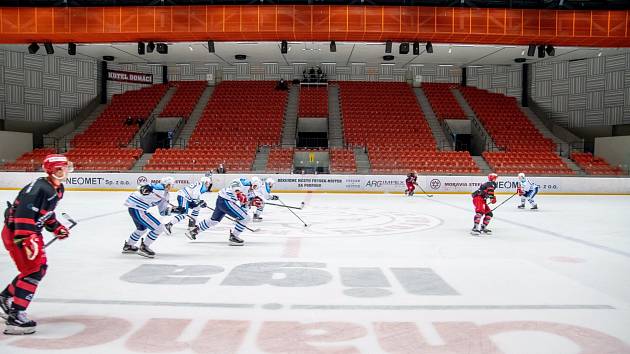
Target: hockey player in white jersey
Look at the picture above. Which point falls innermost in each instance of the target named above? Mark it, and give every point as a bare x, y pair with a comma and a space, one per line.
189, 199
527, 190
232, 201
138, 203
261, 192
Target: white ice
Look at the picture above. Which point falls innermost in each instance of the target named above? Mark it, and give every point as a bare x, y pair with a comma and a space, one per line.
370, 274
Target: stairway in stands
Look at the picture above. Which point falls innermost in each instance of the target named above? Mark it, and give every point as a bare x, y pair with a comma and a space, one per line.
335, 133
192, 121
443, 143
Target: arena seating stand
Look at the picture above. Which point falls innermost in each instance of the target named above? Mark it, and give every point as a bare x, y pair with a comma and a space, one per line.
442, 101
594, 165
523, 147
30, 161
313, 101
342, 161
280, 160
185, 98
104, 159
240, 116
386, 118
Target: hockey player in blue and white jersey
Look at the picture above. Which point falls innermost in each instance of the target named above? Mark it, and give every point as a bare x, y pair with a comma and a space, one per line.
147, 196
189, 198
262, 192
527, 190
232, 200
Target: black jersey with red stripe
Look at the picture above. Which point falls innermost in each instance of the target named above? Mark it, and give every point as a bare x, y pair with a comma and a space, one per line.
34, 209
486, 190
411, 179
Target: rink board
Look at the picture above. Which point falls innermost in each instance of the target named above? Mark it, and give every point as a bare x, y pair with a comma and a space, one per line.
335, 183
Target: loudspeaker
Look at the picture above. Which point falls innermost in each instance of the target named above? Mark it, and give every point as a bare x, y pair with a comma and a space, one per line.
49, 48
388, 47
141, 48
404, 48
72, 49
531, 50
162, 48
416, 48
150, 47
333, 46
541, 51
429, 47
33, 48
284, 47
210, 46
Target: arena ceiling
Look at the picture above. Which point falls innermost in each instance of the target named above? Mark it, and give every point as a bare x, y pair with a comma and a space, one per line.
313, 53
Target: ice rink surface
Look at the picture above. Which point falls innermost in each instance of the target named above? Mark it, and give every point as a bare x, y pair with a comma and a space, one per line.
370, 274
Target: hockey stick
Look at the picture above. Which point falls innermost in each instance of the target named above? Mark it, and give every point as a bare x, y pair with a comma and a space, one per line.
503, 202
287, 206
173, 206
72, 224
292, 212
236, 221
425, 192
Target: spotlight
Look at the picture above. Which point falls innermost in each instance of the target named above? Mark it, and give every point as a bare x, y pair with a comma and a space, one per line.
551, 51
531, 50
162, 48
541, 51
333, 47
404, 48
284, 47
150, 47
388, 47
141, 48
49, 48
72, 49
429, 47
416, 48
33, 48
210, 46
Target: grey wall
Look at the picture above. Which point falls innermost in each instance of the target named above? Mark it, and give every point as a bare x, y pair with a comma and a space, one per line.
616, 150
13, 144
584, 93
44, 88
505, 79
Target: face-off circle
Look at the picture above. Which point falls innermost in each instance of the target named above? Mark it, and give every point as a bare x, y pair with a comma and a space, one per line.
355, 222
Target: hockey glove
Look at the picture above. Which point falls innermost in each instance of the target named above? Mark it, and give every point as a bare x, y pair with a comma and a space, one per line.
242, 198
199, 203
494, 200
31, 246
257, 202
274, 197
146, 189
202, 204
61, 232
519, 191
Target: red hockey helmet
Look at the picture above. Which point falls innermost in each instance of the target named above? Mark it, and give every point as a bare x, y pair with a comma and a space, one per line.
54, 161
493, 177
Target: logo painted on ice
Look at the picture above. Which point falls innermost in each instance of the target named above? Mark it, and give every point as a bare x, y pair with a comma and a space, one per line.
142, 180
435, 183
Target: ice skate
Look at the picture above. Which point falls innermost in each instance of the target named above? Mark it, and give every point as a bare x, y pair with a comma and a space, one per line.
485, 231
192, 233
521, 206
145, 251
5, 306
167, 228
127, 248
18, 324
235, 240
257, 218
475, 232
534, 207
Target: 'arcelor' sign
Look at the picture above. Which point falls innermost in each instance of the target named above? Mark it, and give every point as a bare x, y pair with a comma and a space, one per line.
126, 76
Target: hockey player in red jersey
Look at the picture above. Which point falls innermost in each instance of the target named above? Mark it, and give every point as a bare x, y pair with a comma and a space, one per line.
411, 183
485, 191
24, 219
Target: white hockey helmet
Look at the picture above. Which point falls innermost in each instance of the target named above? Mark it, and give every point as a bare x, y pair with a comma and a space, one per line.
207, 180
167, 181
270, 181
521, 177
256, 181
236, 186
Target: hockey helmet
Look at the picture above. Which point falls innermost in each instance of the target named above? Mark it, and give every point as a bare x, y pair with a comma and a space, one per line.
256, 181
167, 181
521, 177
493, 177
53, 162
207, 180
